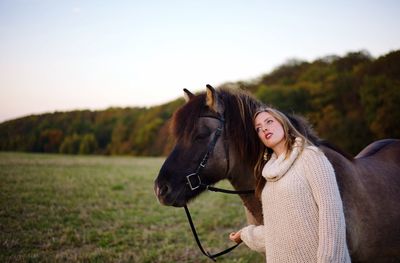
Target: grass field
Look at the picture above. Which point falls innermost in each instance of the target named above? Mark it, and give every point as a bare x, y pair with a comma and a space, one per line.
57, 208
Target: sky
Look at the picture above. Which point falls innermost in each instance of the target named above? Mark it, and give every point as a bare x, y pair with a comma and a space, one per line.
61, 55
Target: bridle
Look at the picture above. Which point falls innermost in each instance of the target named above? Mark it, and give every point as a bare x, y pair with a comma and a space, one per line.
210, 148
193, 185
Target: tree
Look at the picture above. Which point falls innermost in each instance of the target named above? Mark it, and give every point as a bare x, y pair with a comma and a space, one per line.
380, 97
88, 144
50, 140
71, 144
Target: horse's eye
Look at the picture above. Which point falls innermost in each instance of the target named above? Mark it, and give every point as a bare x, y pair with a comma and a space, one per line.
202, 136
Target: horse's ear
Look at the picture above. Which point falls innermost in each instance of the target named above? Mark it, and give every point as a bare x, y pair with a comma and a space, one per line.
212, 100
187, 95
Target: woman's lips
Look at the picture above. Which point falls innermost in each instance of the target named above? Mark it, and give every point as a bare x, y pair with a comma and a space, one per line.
268, 135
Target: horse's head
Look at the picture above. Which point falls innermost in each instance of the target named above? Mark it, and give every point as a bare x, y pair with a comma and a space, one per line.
198, 127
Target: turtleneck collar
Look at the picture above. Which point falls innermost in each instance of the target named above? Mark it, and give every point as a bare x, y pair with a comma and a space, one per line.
277, 166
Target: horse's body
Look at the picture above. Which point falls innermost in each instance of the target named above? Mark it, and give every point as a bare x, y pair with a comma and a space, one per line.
370, 188
369, 183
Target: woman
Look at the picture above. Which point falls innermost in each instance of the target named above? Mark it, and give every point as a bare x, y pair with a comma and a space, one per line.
302, 207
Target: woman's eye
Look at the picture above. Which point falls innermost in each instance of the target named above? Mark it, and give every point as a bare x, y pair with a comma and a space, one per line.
269, 121
258, 130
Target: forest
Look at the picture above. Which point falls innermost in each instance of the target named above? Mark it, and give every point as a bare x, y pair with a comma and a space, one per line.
350, 101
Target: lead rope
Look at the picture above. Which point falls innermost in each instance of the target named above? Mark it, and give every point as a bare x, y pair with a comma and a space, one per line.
192, 227
196, 237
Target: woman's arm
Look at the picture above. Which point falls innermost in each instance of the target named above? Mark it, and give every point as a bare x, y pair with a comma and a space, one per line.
332, 229
254, 237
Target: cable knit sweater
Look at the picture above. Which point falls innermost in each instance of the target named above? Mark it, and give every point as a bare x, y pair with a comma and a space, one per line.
303, 212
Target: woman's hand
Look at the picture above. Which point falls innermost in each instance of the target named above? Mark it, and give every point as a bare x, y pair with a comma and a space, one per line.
235, 237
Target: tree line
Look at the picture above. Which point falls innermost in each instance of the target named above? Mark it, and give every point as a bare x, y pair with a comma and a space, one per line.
350, 101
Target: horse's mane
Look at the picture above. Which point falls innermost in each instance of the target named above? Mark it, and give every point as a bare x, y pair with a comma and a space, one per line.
303, 126
239, 126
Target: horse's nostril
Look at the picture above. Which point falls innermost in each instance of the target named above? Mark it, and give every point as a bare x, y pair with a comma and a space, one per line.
164, 190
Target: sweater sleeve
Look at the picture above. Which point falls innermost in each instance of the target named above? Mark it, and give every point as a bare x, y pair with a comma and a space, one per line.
331, 227
253, 237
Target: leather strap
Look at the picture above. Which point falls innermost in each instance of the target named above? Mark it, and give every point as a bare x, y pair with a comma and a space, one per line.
196, 237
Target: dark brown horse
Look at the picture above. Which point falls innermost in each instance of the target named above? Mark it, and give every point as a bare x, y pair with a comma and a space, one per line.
369, 183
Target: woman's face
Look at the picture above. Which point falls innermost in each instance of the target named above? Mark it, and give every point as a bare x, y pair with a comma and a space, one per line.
270, 131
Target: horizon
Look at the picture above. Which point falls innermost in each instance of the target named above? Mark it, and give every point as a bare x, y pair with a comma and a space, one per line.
69, 56
181, 91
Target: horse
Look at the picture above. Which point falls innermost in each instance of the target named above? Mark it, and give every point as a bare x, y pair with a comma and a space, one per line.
369, 183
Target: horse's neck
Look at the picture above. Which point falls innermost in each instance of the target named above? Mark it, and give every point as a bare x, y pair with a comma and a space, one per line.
242, 179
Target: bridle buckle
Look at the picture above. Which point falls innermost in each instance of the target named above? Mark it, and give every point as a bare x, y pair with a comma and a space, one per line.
190, 182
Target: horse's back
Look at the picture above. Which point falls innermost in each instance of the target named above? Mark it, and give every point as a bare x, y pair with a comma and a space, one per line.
380, 161
378, 165
390, 147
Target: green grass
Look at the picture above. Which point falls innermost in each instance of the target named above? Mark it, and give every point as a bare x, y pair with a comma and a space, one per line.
57, 208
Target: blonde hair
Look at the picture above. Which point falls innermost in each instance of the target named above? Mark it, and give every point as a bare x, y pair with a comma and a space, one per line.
265, 153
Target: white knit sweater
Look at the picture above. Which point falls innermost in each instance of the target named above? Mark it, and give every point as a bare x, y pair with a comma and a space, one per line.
303, 212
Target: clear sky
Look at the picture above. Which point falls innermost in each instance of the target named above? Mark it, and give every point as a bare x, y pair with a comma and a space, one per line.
58, 55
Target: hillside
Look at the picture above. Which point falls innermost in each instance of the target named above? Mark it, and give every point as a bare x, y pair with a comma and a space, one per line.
350, 100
